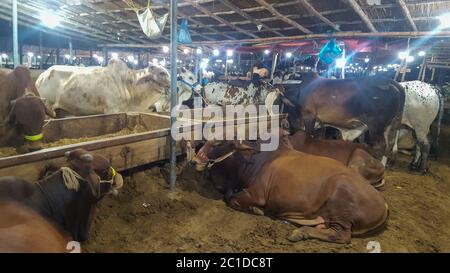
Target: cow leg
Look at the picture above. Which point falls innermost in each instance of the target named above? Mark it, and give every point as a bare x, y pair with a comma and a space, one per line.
310, 123
243, 201
416, 160
336, 233
425, 151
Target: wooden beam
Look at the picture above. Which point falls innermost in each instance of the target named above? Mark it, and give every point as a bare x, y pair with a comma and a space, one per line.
37, 6
355, 6
282, 17
312, 10
204, 26
223, 21
96, 8
31, 14
344, 34
249, 18
407, 14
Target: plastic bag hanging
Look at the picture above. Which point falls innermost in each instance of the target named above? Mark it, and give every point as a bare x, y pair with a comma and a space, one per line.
151, 23
183, 36
330, 51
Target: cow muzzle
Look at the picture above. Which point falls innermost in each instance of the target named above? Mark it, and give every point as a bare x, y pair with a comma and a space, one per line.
32, 143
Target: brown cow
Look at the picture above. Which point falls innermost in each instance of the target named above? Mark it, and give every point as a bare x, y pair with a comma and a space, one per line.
66, 199
14, 84
351, 154
330, 201
374, 103
24, 123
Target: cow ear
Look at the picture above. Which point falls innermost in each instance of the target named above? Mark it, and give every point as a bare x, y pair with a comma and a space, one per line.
67, 154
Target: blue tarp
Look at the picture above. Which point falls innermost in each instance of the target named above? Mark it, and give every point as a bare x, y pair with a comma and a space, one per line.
183, 36
330, 51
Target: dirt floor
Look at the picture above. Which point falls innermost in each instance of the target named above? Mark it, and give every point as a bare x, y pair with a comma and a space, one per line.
147, 217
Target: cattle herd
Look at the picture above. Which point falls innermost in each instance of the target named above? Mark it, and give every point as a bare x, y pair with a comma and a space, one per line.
327, 187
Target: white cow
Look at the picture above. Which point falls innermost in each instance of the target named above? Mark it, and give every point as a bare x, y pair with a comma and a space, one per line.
102, 90
423, 103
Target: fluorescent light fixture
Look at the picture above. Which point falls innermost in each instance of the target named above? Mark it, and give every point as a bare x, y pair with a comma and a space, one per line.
30, 54
135, 62
229, 53
100, 59
445, 21
266, 52
205, 60
218, 61
288, 54
340, 63
165, 49
115, 56
230, 61
198, 50
203, 65
155, 61
186, 51
403, 55
366, 60
39, 57
216, 52
50, 19
410, 59
130, 58
421, 53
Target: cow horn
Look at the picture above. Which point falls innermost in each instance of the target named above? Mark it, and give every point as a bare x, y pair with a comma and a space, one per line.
87, 158
67, 154
287, 101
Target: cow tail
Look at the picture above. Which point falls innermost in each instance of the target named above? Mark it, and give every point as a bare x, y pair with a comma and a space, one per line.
439, 118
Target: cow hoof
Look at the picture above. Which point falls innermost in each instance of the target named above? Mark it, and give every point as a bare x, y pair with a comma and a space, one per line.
413, 167
257, 211
379, 184
297, 235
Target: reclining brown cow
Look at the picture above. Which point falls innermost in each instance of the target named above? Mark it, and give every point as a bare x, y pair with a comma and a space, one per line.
330, 201
44, 216
351, 154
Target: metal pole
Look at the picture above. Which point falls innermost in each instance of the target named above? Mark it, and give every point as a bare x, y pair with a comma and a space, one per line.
70, 51
15, 35
173, 88
343, 68
274, 64
40, 50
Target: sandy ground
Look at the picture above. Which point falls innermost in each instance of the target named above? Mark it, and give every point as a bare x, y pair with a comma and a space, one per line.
147, 217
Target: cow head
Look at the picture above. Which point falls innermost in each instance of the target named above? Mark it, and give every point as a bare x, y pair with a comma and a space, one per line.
216, 151
97, 170
153, 78
26, 117
187, 82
